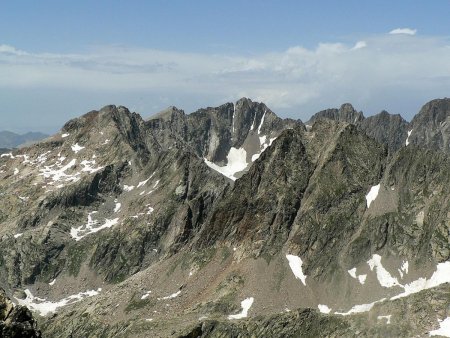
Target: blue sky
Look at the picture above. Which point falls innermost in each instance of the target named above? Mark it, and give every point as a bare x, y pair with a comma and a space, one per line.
60, 59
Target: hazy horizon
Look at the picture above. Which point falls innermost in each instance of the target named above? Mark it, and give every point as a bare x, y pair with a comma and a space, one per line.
61, 60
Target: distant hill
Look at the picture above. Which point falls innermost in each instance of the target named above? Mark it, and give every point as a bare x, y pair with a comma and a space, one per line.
12, 140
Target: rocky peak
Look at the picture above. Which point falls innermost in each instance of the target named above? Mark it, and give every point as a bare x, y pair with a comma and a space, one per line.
387, 129
431, 126
346, 113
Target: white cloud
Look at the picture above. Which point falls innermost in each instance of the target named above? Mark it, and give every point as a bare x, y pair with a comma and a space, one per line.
359, 45
6, 49
374, 73
407, 31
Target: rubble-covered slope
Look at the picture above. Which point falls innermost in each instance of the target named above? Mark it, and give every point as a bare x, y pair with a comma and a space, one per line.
122, 227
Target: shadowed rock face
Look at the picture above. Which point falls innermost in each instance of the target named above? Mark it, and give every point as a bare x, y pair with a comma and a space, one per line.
391, 130
16, 321
431, 126
143, 213
212, 132
346, 113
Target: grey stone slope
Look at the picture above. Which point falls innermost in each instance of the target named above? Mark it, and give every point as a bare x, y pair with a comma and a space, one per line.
124, 206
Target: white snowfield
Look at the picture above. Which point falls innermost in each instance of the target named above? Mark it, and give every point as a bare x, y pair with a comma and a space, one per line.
59, 175
372, 195
407, 139
173, 295
44, 307
76, 148
117, 207
444, 329
359, 308
128, 188
90, 228
264, 145
384, 277
262, 122
403, 269
440, 276
88, 166
360, 278
236, 162
296, 263
387, 318
323, 308
246, 304
145, 295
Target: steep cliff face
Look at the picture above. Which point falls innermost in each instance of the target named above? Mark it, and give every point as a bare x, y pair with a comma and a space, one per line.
388, 129
430, 128
230, 137
187, 224
16, 321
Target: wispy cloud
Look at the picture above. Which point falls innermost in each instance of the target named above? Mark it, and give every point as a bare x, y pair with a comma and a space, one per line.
375, 72
407, 31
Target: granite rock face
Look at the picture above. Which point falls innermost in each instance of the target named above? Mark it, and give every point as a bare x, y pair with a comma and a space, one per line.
16, 321
171, 226
431, 126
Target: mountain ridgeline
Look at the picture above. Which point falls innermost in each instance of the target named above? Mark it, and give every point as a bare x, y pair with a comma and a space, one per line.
231, 222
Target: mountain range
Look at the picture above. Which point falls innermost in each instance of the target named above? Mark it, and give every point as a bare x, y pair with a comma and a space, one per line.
231, 222
9, 140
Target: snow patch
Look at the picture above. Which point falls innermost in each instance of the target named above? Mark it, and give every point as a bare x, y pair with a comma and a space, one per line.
360, 278
16, 171
263, 146
234, 113
76, 148
403, 269
352, 272
117, 207
145, 295
246, 305
444, 329
388, 318
384, 277
52, 282
140, 184
236, 162
64, 135
440, 276
173, 295
128, 188
407, 139
372, 195
18, 235
324, 308
89, 228
87, 166
44, 307
296, 263
359, 308
253, 123
261, 124
60, 174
